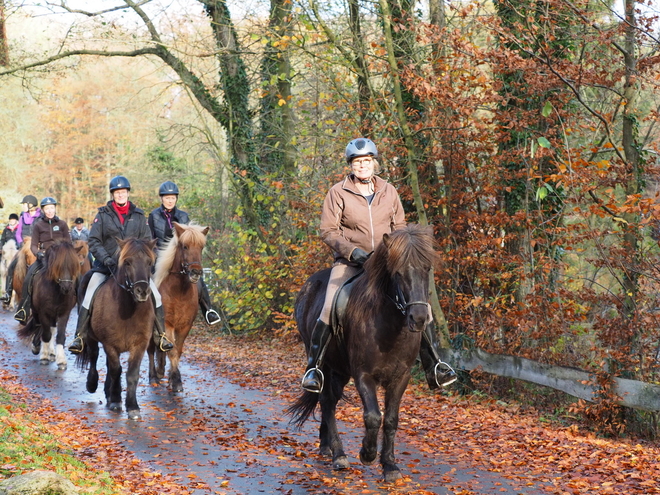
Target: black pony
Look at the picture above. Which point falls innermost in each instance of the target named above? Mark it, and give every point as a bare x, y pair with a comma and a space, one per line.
53, 297
378, 343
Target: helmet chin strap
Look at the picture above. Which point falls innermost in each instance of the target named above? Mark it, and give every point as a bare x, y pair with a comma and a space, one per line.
365, 181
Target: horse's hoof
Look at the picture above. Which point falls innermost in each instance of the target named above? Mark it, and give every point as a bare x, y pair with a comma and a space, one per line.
134, 415
92, 388
325, 451
114, 406
36, 349
365, 459
176, 388
51, 357
44, 361
154, 382
340, 463
61, 366
392, 476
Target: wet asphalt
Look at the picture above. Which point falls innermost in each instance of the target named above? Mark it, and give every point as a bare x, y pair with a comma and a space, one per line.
220, 437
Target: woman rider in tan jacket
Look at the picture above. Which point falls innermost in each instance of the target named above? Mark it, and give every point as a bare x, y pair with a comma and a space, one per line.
356, 213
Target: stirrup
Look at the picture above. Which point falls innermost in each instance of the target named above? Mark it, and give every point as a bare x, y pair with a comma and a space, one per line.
21, 316
446, 371
164, 344
73, 348
212, 317
310, 389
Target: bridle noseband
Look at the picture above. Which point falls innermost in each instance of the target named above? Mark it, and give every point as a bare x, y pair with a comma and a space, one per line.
129, 285
399, 301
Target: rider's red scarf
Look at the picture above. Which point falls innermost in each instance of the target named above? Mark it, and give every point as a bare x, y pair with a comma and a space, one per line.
122, 211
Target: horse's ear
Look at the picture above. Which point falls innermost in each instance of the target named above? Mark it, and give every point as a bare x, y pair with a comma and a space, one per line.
386, 240
120, 242
178, 228
205, 231
430, 230
152, 243
79, 248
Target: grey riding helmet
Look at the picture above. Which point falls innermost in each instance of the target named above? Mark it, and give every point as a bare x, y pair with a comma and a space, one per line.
119, 182
360, 147
48, 200
167, 188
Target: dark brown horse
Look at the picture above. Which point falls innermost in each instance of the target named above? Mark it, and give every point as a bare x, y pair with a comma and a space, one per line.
178, 269
122, 319
385, 314
53, 298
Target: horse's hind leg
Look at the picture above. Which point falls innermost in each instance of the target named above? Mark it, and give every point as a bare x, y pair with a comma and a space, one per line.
154, 379
393, 396
372, 419
175, 374
93, 373
132, 378
330, 441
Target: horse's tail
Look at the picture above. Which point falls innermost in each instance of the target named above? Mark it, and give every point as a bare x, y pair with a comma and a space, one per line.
84, 358
29, 331
303, 408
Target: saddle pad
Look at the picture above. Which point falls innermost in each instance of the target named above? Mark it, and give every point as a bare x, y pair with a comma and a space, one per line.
339, 304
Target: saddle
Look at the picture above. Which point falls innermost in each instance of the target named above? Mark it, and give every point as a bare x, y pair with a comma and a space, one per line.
339, 304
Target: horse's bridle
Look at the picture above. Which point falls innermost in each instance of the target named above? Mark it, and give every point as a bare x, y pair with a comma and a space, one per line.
399, 301
129, 285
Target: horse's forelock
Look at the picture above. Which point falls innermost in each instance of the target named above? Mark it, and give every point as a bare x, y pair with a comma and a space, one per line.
133, 248
62, 262
411, 246
191, 235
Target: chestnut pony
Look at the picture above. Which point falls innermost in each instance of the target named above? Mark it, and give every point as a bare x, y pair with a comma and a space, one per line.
53, 298
377, 342
122, 319
178, 269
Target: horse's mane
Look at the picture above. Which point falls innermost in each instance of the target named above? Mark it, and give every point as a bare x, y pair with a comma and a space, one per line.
61, 261
413, 246
133, 247
192, 235
23, 255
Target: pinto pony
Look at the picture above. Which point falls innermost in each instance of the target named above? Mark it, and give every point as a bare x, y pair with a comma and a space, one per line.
122, 320
53, 297
178, 269
377, 344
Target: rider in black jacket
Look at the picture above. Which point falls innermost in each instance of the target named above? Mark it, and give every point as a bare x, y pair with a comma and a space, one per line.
118, 219
160, 223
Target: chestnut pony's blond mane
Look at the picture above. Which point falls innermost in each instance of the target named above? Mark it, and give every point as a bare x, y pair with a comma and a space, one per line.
192, 235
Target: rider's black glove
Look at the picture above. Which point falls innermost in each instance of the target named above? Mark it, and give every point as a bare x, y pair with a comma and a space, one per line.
110, 263
359, 256
40, 255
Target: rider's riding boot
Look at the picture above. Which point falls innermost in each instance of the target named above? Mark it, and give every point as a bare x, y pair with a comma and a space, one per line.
81, 331
160, 338
438, 373
210, 315
23, 312
312, 380
9, 285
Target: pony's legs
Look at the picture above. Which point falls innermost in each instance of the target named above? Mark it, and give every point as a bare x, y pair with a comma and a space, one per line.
47, 353
132, 378
367, 387
393, 397
175, 374
60, 340
330, 441
113, 380
154, 378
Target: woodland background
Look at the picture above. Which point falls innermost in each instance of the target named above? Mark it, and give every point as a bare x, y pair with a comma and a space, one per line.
524, 131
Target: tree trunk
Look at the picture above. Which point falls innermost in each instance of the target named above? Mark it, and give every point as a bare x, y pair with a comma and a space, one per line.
4, 49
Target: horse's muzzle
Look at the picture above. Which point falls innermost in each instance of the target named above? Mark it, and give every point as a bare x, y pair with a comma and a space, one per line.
141, 292
194, 275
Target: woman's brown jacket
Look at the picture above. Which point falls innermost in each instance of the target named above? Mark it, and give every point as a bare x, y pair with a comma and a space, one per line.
348, 221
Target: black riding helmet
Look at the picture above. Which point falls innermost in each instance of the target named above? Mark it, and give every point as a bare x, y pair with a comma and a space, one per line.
48, 200
119, 182
360, 147
168, 187
30, 200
